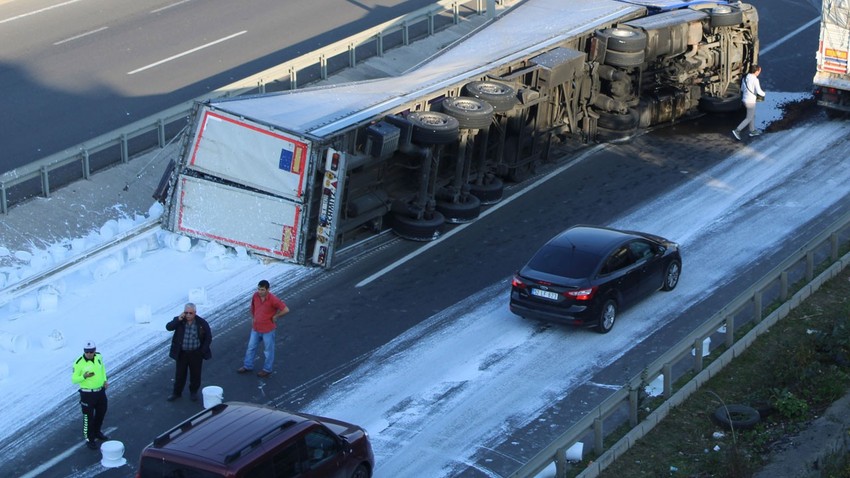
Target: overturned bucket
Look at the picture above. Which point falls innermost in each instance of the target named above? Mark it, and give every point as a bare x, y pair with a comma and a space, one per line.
213, 395
113, 454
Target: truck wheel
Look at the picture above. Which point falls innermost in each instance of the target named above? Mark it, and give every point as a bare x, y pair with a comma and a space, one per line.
622, 39
624, 59
729, 102
418, 229
618, 121
726, 16
500, 95
431, 127
457, 213
471, 113
489, 193
607, 316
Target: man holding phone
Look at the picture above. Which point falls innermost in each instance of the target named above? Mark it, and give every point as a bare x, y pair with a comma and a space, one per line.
190, 346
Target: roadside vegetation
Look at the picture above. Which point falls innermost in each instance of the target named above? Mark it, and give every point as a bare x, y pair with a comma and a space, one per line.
790, 375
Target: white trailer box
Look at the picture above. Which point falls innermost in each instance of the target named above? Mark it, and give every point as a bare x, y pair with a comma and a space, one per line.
832, 84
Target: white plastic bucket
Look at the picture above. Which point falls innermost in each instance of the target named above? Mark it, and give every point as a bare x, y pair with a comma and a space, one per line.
53, 341
213, 395
13, 342
113, 454
574, 452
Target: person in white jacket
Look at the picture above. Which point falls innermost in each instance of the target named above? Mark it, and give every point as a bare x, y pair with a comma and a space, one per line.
750, 91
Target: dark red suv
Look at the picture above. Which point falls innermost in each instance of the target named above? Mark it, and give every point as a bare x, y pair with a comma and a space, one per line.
245, 440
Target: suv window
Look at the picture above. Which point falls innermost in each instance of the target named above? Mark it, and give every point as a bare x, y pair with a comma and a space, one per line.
320, 446
156, 468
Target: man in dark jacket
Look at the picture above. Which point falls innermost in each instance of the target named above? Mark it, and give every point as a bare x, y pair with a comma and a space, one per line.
190, 346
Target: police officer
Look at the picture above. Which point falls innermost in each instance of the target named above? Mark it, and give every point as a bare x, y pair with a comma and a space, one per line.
90, 375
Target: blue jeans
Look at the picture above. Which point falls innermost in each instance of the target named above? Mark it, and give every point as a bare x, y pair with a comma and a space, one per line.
268, 350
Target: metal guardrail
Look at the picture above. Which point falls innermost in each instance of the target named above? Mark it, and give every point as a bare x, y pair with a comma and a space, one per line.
287, 71
628, 397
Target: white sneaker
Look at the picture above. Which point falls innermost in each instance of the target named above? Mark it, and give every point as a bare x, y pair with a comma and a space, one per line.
755, 132
736, 134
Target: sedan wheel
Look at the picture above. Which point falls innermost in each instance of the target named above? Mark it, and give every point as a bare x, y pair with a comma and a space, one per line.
671, 275
607, 317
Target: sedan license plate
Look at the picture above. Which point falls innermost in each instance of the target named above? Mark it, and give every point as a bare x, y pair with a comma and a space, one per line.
544, 293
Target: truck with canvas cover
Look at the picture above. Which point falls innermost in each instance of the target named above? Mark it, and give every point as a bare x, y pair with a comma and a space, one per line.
831, 82
299, 174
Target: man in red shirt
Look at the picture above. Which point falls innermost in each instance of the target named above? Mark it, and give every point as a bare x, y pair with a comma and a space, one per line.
266, 308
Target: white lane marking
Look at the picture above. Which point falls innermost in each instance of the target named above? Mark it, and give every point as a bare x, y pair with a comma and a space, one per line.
56, 459
193, 50
487, 212
80, 36
18, 17
169, 6
788, 36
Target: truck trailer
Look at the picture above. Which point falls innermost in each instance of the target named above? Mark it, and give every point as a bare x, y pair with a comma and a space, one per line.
297, 175
831, 82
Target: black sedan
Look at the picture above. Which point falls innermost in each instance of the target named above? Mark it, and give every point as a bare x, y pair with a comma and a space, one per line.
586, 274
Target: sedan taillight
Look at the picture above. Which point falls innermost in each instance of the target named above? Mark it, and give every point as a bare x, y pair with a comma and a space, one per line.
581, 294
518, 283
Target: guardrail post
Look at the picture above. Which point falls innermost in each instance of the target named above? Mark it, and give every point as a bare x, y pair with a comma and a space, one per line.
125, 156
160, 132
261, 87
698, 355
598, 436
323, 66
833, 246
491, 9
352, 55
810, 266
405, 33
561, 462
783, 286
730, 331
667, 372
430, 23
45, 182
293, 78
4, 205
379, 44
86, 165
633, 407
455, 13
757, 305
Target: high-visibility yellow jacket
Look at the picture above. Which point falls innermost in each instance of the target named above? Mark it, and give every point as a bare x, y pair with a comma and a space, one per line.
81, 366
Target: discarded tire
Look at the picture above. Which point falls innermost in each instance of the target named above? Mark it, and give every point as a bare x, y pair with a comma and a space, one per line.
737, 417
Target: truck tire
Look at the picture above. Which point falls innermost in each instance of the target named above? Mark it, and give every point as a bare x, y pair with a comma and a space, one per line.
418, 229
488, 193
728, 103
458, 213
618, 121
500, 95
726, 16
622, 39
624, 59
471, 113
431, 127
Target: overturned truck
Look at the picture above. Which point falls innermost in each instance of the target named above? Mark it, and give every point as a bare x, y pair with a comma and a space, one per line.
297, 175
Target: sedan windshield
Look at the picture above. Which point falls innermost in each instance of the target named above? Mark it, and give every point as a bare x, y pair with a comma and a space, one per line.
565, 262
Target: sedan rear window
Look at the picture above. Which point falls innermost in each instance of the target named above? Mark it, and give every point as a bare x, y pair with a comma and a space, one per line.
565, 262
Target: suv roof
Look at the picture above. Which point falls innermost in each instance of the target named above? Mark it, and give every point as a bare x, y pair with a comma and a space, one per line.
237, 429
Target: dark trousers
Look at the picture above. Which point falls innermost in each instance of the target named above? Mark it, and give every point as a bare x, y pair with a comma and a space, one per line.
94, 406
191, 361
